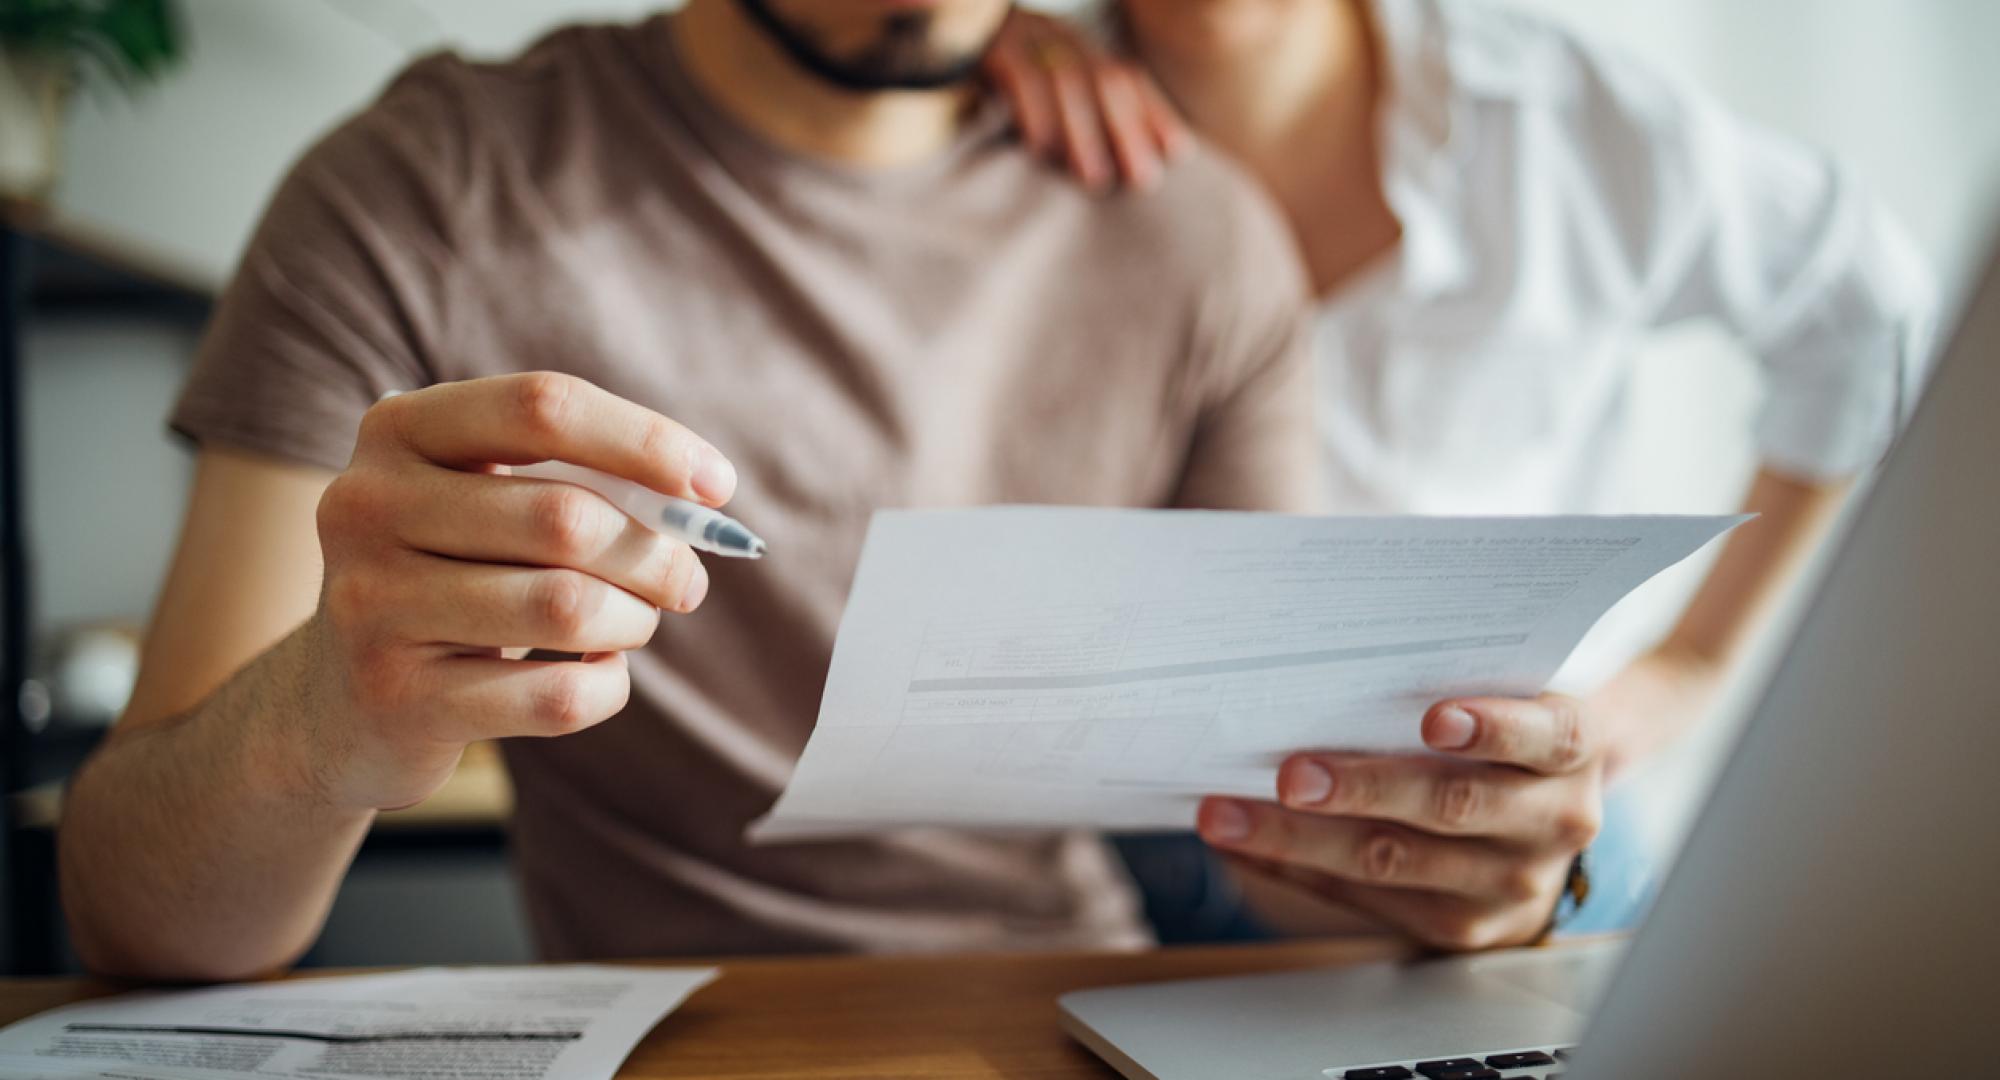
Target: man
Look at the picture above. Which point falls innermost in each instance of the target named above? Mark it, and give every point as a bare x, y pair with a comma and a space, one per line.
793, 228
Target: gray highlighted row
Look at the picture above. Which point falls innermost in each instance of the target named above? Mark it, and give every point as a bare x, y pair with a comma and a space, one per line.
1214, 667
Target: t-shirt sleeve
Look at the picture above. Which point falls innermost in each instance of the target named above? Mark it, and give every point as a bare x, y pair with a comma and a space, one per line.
1774, 241
1255, 445
1790, 252
340, 296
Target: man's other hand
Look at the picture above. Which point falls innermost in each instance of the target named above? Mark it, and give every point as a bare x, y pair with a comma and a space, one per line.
1466, 849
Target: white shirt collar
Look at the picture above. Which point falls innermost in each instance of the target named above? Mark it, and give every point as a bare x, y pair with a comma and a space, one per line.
1425, 132
1420, 116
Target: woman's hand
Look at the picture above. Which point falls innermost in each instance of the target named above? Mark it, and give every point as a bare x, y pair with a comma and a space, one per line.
1102, 114
1467, 850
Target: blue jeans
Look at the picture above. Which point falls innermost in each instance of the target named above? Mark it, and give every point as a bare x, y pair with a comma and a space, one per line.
1190, 897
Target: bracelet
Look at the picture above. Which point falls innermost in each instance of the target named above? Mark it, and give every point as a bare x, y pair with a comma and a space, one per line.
1576, 890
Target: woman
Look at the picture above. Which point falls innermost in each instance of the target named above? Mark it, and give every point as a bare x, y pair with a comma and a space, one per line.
1493, 213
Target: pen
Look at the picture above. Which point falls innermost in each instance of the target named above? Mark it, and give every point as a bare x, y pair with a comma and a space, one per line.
691, 523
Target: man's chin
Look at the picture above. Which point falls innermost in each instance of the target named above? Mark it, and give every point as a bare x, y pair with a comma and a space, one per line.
900, 61
935, 77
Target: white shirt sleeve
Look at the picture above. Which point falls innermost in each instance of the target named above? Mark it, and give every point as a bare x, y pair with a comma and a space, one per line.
1787, 250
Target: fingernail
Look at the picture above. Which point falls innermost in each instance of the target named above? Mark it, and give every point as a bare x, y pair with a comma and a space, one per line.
714, 477
1452, 728
1308, 784
697, 590
1226, 823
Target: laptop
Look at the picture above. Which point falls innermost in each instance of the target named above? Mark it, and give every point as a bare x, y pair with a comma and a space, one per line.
1836, 910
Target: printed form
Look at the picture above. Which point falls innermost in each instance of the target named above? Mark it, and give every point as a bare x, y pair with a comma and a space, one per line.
574, 1022
1037, 667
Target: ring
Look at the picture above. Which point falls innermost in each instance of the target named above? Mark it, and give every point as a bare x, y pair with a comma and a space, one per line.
1048, 53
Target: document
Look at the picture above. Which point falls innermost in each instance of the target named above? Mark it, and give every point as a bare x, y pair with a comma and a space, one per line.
1042, 667
575, 1022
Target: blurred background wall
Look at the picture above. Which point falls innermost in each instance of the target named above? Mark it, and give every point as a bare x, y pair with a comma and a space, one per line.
1894, 86
1900, 89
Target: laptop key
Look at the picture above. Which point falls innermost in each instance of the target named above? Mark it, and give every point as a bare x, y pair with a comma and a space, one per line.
1386, 1072
1477, 1072
1521, 1060
1433, 1069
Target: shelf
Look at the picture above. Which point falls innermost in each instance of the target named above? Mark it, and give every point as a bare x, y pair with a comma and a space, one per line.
477, 797
87, 259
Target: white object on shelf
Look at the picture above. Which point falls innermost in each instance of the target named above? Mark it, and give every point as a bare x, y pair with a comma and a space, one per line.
33, 92
92, 677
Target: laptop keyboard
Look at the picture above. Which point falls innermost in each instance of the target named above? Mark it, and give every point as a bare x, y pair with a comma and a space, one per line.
1543, 1064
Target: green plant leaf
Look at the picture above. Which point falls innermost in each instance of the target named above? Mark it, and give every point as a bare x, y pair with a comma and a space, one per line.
124, 42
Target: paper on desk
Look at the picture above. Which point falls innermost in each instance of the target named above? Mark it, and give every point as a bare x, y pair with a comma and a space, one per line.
541, 1023
1030, 667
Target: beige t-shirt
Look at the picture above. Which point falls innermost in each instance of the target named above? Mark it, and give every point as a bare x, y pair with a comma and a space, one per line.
972, 330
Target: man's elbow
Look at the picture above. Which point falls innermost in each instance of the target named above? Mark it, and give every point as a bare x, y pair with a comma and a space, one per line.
119, 948
121, 929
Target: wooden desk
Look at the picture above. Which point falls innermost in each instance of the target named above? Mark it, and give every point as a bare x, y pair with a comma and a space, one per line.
916, 1018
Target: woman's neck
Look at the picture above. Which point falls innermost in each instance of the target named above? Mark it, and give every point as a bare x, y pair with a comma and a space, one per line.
1291, 90
1256, 78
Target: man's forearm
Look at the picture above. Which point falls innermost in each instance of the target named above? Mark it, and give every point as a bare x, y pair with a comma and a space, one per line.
199, 847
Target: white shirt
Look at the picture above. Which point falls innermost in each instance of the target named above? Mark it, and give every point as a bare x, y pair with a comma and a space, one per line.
1560, 202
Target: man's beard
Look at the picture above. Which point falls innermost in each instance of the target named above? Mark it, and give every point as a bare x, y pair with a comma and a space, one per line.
901, 59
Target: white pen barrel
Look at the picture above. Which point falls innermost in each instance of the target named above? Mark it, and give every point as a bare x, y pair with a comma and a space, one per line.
623, 494
696, 525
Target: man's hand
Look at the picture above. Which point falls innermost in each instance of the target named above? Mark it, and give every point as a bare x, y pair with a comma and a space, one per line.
1470, 850
437, 561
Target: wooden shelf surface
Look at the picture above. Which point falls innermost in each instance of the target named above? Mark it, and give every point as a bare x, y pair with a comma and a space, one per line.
45, 223
478, 796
